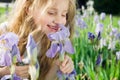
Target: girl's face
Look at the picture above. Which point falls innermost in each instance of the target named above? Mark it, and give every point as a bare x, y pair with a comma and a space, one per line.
54, 15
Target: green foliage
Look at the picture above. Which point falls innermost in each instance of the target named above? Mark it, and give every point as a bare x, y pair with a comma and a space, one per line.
86, 52
2, 10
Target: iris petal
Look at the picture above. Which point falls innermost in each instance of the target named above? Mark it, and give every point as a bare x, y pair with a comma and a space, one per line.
68, 46
53, 50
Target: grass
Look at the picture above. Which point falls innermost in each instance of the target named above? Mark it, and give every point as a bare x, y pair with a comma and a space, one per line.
86, 52
2, 10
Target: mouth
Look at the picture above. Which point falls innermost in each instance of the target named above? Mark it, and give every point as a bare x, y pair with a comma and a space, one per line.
53, 28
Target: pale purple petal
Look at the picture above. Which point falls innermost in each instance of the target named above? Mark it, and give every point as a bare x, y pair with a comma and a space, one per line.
68, 46
60, 35
52, 50
61, 48
114, 32
53, 37
12, 38
9, 39
102, 16
15, 52
81, 23
99, 28
31, 43
96, 19
2, 59
6, 77
7, 58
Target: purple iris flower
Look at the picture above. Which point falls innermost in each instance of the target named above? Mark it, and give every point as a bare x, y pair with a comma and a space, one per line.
91, 36
60, 35
32, 58
9, 38
102, 16
60, 42
118, 36
31, 43
6, 43
70, 76
53, 49
96, 19
15, 52
114, 32
99, 59
81, 23
99, 36
99, 28
8, 51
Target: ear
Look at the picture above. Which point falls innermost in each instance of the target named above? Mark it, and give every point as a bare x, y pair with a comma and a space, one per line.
27, 10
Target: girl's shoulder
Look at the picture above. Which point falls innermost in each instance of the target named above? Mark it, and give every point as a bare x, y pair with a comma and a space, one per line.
3, 26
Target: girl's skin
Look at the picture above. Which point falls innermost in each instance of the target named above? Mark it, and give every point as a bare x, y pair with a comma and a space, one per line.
55, 14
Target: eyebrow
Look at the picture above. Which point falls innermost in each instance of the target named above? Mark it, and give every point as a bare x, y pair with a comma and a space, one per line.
57, 9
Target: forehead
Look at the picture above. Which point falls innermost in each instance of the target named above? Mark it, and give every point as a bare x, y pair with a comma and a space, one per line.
60, 4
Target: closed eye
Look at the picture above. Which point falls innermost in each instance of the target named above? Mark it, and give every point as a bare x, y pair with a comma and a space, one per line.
51, 13
64, 15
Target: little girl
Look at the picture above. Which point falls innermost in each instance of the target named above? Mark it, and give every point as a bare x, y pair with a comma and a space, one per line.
40, 18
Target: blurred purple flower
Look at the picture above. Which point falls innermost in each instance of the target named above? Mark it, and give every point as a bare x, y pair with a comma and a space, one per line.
70, 76
118, 36
99, 28
81, 23
102, 43
102, 16
114, 32
99, 59
119, 22
8, 40
91, 36
99, 36
15, 52
6, 43
7, 77
96, 19
111, 44
118, 55
31, 44
8, 51
32, 54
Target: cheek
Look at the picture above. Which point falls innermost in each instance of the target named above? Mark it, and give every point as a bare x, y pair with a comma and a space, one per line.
64, 21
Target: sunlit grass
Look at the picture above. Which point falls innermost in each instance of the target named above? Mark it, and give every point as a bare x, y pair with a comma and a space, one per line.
85, 53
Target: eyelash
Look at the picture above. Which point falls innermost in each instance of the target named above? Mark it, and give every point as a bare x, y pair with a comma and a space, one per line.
53, 13
64, 15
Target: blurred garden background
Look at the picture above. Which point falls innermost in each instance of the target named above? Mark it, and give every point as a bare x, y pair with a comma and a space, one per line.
96, 40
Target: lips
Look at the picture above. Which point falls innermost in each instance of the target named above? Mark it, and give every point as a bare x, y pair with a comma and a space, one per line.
53, 28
